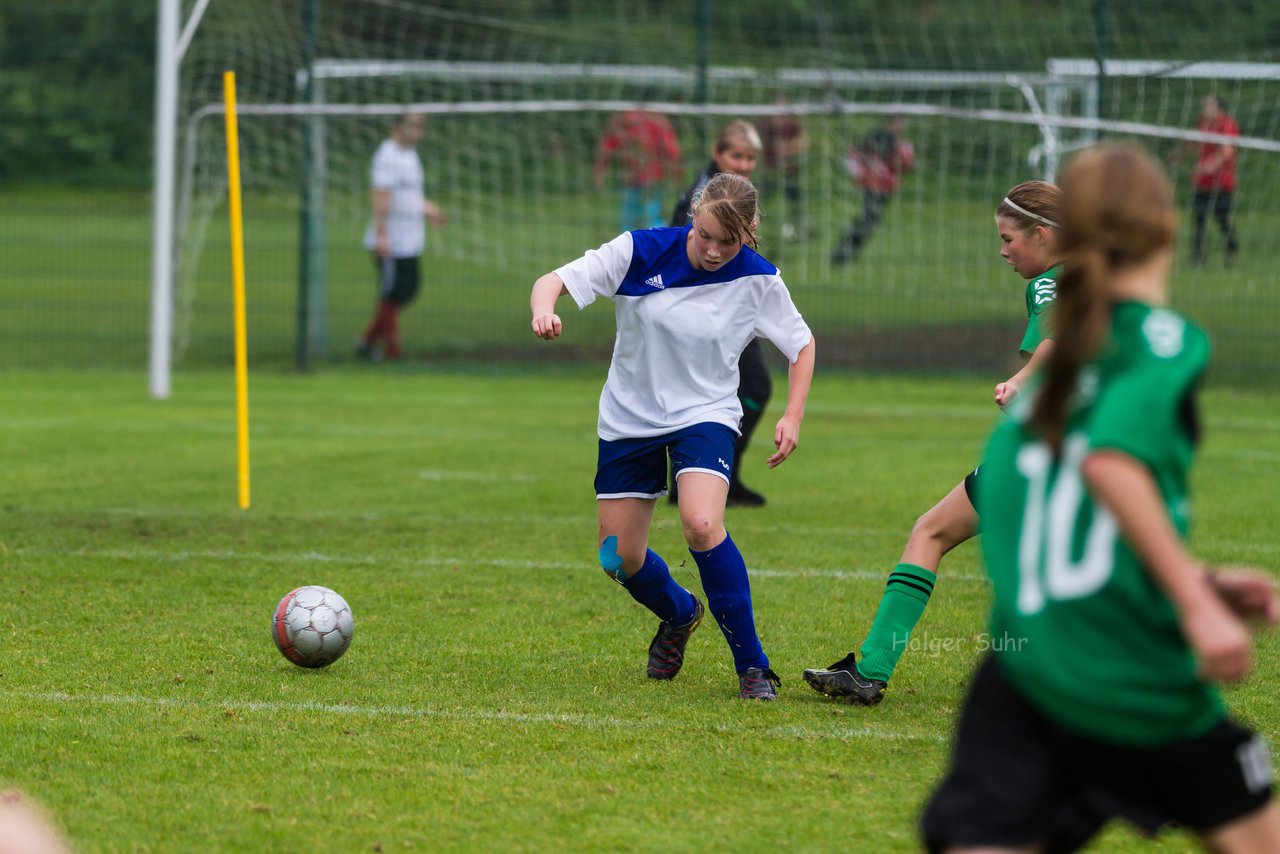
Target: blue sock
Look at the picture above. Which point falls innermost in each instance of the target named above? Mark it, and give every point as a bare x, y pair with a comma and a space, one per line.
724, 578
654, 588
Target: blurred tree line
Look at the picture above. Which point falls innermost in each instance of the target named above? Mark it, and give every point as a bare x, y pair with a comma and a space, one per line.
76, 90
77, 82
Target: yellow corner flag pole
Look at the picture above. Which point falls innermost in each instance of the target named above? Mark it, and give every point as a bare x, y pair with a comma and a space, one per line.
237, 277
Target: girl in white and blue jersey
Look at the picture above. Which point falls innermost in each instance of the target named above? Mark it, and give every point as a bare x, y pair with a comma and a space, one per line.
687, 301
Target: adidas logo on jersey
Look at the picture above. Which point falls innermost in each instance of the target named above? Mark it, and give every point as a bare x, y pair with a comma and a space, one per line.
655, 282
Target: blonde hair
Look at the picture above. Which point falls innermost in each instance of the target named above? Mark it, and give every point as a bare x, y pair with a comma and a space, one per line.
735, 132
1117, 212
734, 203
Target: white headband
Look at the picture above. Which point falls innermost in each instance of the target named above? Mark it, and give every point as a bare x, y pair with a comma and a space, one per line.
1028, 213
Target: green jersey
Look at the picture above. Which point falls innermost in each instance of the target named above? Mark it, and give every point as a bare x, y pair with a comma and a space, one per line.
1079, 626
1041, 292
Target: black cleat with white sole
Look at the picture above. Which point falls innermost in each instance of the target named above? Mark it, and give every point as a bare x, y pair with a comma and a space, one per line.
843, 682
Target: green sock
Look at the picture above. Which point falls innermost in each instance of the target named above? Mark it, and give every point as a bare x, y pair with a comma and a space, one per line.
905, 595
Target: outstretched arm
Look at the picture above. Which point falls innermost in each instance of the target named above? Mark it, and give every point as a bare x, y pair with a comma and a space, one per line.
1221, 643
799, 377
542, 302
434, 213
1008, 390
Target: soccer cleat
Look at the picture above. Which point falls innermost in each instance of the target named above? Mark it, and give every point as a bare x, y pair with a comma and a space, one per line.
843, 682
741, 496
367, 351
666, 652
758, 683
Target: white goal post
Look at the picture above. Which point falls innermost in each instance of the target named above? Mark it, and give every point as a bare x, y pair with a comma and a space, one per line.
1061, 105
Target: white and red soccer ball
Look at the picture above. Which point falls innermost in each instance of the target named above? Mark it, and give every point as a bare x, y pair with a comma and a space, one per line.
312, 626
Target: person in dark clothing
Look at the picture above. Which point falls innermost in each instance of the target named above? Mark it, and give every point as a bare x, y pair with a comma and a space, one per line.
737, 148
877, 165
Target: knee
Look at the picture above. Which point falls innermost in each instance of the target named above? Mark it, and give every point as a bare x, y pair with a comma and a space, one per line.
700, 532
616, 564
932, 527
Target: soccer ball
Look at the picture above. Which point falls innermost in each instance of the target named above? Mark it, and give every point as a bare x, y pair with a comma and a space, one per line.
312, 626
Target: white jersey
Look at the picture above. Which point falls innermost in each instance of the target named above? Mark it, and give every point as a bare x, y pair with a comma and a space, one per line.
399, 171
681, 330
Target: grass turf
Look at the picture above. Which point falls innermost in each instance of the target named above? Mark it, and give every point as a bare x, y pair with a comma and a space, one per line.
494, 695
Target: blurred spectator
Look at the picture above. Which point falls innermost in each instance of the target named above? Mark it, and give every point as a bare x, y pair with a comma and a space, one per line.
785, 144
396, 234
644, 144
876, 165
1214, 181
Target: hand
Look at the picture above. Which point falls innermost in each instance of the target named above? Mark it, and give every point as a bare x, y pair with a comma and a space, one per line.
438, 218
1006, 392
786, 436
1219, 640
1248, 593
382, 245
547, 326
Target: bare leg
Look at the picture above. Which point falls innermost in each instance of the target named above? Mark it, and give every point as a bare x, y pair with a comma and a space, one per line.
702, 500
944, 526
862, 678
1256, 833
628, 519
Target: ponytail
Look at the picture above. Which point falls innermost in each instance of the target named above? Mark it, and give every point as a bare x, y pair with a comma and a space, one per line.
1081, 318
1117, 213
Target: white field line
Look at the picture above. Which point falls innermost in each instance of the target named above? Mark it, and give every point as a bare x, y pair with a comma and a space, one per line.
584, 721
431, 562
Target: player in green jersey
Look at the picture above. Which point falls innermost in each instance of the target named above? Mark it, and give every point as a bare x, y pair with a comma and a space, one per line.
1025, 219
1097, 701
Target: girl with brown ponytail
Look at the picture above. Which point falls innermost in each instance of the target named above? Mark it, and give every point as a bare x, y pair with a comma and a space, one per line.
1097, 698
1026, 220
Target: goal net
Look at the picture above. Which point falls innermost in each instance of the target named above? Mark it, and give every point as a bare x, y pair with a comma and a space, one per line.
516, 102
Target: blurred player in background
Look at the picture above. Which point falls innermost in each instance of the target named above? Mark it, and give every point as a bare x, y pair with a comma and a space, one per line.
736, 150
1025, 220
1097, 700
687, 302
1214, 181
396, 234
877, 166
644, 144
785, 144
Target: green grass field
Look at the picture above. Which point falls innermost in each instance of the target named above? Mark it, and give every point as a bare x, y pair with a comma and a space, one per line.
494, 696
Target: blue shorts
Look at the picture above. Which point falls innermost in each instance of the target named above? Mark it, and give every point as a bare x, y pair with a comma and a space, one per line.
637, 468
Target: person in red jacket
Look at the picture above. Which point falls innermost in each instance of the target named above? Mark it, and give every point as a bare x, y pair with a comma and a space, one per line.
644, 144
877, 165
1214, 181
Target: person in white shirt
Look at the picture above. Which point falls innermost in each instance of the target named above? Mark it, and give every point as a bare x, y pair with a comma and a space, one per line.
396, 234
687, 301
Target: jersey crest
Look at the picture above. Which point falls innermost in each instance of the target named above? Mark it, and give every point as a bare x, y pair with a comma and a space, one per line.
1045, 290
1164, 332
